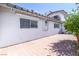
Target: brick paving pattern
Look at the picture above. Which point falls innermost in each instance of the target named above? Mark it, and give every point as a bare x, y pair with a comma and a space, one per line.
55, 45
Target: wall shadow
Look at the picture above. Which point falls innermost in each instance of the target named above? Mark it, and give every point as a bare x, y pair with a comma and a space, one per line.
64, 48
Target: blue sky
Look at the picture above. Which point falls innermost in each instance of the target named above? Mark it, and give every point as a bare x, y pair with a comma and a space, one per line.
45, 7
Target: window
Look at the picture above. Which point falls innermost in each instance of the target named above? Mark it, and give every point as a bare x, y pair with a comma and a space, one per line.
57, 17
26, 23
33, 24
56, 25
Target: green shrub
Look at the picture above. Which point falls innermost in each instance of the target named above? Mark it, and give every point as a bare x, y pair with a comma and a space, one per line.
72, 22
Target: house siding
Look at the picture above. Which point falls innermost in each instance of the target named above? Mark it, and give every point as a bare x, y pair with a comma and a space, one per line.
11, 33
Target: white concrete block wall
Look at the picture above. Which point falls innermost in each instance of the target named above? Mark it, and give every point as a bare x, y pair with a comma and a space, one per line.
9, 29
11, 33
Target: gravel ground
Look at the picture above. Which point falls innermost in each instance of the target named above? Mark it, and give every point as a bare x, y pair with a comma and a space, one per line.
56, 45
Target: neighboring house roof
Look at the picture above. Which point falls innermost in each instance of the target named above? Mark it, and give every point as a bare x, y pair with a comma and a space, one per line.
21, 10
61, 11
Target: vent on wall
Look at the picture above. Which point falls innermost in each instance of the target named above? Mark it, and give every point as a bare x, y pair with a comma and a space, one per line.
45, 28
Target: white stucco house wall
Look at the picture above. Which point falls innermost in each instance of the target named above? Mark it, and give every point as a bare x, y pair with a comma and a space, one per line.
18, 25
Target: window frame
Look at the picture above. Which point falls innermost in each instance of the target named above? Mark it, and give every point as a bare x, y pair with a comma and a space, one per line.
35, 24
56, 25
24, 24
57, 17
